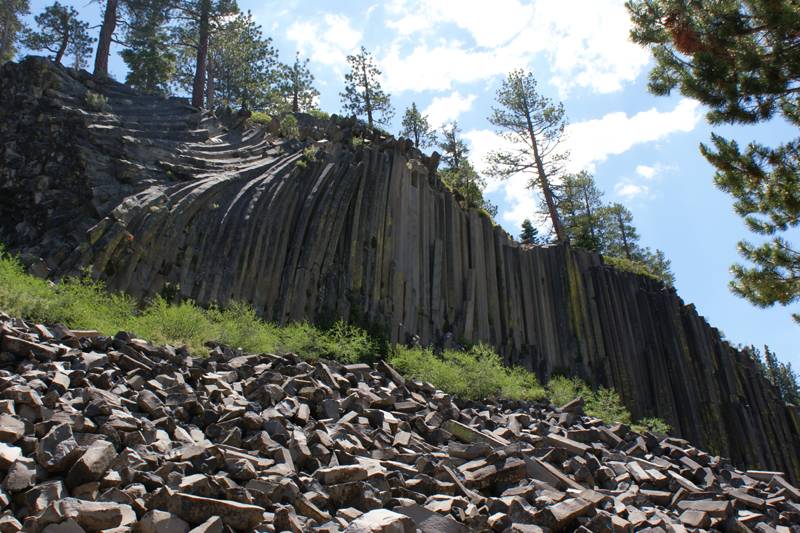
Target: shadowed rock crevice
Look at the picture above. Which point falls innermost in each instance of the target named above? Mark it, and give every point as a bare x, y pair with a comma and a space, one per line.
154, 192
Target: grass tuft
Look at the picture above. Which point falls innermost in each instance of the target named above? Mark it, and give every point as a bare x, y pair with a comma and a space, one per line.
474, 374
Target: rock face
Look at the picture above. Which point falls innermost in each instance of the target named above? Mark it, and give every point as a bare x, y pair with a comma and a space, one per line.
154, 196
221, 453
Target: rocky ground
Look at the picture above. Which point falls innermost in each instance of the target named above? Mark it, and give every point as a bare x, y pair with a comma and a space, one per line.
115, 434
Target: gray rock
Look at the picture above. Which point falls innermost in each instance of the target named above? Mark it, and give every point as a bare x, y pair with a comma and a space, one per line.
58, 449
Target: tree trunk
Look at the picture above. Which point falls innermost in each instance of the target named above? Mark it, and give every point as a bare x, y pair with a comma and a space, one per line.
589, 217
202, 54
367, 102
625, 245
104, 41
295, 90
62, 48
561, 236
210, 85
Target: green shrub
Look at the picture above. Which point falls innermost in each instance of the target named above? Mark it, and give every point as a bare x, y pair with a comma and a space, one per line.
259, 117
181, 323
562, 390
607, 405
603, 403
653, 425
239, 326
349, 344
635, 267
97, 102
319, 114
474, 374
288, 127
357, 142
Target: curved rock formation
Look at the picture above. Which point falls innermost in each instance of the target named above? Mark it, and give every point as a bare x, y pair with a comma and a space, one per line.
153, 194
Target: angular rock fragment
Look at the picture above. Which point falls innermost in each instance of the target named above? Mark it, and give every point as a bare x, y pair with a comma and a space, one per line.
382, 521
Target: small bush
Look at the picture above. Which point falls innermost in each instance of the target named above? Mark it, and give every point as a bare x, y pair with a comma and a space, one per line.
288, 127
653, 425
635, 267
319, 114
602, 403
350, 344
97, 102
182, 323
259, 117
607, 405
357, 142
474, 374
562, 390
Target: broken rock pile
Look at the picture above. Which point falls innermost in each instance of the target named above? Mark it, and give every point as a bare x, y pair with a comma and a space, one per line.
116, 434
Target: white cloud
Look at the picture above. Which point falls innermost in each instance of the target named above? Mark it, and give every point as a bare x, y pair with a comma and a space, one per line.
437, 68
592, 141
586, 43
631, 191
647, 172
446, 108
589, 142
328, 43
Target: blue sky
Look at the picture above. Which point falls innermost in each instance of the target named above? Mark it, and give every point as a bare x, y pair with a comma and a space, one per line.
449, 56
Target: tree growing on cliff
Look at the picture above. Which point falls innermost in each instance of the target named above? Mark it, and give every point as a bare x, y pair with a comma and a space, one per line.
363, 94
741, 58
107, 29
297, 86
779, 374
60, 32
200, 20
454, 149
417, 128
11, 13
149, 55
459, 175
533, 127
621, 242
580, 204
243, 68
621, 236
529, 234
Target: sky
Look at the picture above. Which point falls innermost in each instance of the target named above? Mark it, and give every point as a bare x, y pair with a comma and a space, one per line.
450, 56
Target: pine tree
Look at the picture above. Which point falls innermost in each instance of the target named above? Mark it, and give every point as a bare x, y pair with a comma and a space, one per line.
11, 13
60, 32
621, 236
580, 205
297, 86
529, 234
741, 58
416, 127
621, 244
458, 173
534, 126
149, 55
779, 374
362, 92
243, 65
454, 149
200, 21
658, 265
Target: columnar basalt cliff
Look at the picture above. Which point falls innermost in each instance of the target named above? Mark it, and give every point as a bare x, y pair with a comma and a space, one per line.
150, 193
